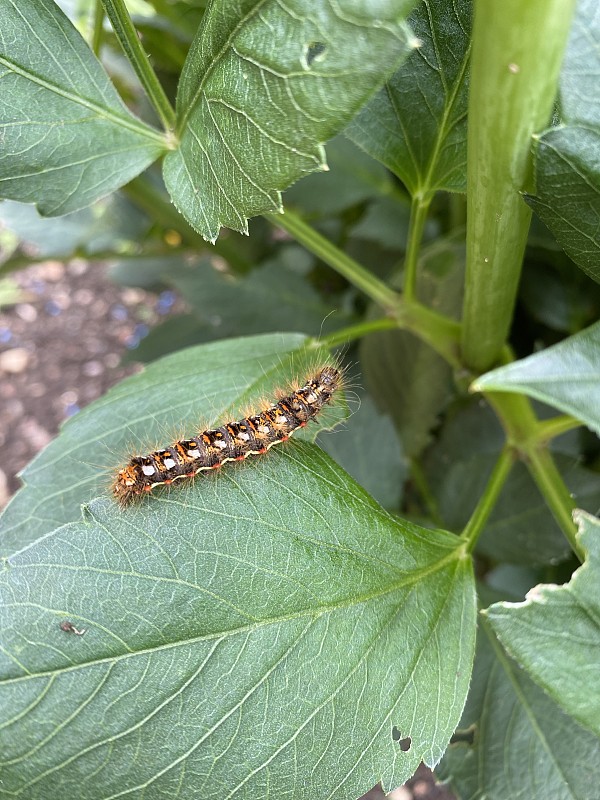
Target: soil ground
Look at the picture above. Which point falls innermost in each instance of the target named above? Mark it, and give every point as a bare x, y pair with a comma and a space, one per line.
61, 347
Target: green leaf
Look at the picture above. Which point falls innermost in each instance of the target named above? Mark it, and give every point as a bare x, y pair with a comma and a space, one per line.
368, 448
555, 633
353, 177
112, 223
567, 159
567, 191
385, 223
261, 633
544, 752
263, 87
556, 295
407, 378
170, 336
521, 528
417, 124
67, 138
579, 97
179, 394
566, 375
226, 305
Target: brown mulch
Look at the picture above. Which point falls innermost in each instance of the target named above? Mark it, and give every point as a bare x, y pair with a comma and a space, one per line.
60, 348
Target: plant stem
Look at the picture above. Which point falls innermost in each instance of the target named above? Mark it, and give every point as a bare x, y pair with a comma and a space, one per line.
132, 47
488, 499
549, 429
353, 332
551, 485
97, 31
441, 333
418, 217
516, 415
523, 432
517, 51
354, 272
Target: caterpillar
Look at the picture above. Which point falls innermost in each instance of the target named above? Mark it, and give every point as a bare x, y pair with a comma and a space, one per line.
234, 441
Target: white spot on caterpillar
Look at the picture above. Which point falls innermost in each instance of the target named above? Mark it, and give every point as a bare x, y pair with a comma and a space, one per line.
148, 470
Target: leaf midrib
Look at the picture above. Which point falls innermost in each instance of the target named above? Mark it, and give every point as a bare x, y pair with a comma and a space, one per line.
125, 121
405, 582
213, 64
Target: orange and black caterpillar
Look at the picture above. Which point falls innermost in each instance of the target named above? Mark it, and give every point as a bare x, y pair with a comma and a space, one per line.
234, 441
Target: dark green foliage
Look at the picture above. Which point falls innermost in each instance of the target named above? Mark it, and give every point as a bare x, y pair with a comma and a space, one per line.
303, 624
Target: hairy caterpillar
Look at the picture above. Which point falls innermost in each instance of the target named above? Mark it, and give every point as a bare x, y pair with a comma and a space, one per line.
234, 441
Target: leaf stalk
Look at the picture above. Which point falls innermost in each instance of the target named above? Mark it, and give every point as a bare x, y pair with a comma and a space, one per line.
98, 32
418, 216
474, 527
132, 47
350, 269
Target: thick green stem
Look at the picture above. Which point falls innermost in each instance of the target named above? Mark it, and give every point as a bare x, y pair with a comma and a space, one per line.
418, 217
358, 276
488, 499
517, 52
132, 47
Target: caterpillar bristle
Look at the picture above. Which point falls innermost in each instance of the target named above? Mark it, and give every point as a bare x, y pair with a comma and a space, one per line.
255, 433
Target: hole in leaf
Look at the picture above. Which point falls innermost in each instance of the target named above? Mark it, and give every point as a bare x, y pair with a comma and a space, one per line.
466, 736
314, 52
404, 743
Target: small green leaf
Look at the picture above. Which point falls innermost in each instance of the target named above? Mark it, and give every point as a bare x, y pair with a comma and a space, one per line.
264, 85
258, 634
544, 752
67, 138
566, 375
177, 395
555, 633
417, 124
